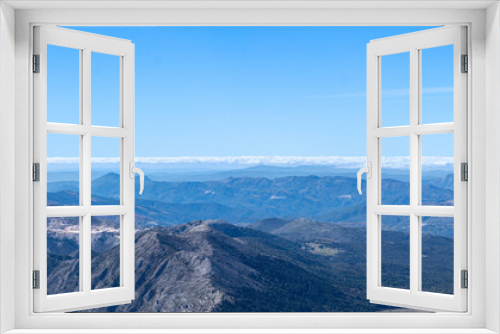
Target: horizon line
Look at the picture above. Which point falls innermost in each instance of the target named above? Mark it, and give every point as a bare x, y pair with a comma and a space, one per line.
352, 161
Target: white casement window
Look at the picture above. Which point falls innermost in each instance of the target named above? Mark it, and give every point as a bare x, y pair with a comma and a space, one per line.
26, 128
80, 292
411, 208
384, 123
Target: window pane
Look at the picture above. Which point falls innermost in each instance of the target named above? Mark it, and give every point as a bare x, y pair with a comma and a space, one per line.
106, 170
437, 169
63, 170
105, 90
105, 252
63, 255
437, 254
63, 85
395, 85
395, 251
395, 171
437, 84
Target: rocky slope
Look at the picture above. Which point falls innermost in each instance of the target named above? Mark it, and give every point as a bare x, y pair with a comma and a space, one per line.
213, 266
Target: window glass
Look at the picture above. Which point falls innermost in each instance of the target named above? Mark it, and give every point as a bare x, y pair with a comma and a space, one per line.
395, 170
395, 93
63, 169
105, 90
437, 84
105, 251
106, 172
437, 254
63, 255
437, 169
63, 85
395, 251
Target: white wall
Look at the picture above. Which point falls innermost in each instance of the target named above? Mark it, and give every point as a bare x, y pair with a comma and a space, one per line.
7, 164
492, 166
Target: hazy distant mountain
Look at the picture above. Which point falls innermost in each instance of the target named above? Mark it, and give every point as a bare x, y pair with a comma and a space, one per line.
244, 200
445, 182
153, 213
159, 173
73, 175
72, 197
272, 172
266, 171
71, 186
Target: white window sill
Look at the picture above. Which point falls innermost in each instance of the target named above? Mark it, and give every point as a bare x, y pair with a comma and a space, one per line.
251, 331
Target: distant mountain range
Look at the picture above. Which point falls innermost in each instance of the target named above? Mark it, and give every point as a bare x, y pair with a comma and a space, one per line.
270, 172
267, 171
247, 199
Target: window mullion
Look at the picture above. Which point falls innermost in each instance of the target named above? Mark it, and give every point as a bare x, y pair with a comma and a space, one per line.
414, 170
86, 180
432, 129
81, 169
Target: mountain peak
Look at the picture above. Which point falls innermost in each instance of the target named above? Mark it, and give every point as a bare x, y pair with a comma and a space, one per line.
112, 176
109, 176
269, 224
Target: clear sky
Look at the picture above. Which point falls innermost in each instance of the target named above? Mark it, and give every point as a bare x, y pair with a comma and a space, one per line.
251, 91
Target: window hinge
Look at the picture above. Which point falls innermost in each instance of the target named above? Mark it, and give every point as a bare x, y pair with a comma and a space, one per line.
36, 63
465, 279
36, 279
464, 170
465, 64
36, 172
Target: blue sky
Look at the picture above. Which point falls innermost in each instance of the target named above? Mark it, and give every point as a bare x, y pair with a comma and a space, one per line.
251, 91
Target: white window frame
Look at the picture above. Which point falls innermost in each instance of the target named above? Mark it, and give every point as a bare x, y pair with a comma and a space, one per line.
414, 43
86, 44
16, 126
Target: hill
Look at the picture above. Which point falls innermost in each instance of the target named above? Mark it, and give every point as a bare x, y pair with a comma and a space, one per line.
213, 266
269, 224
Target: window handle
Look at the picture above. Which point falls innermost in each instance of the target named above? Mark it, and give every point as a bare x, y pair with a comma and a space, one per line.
134, 170
368, 171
